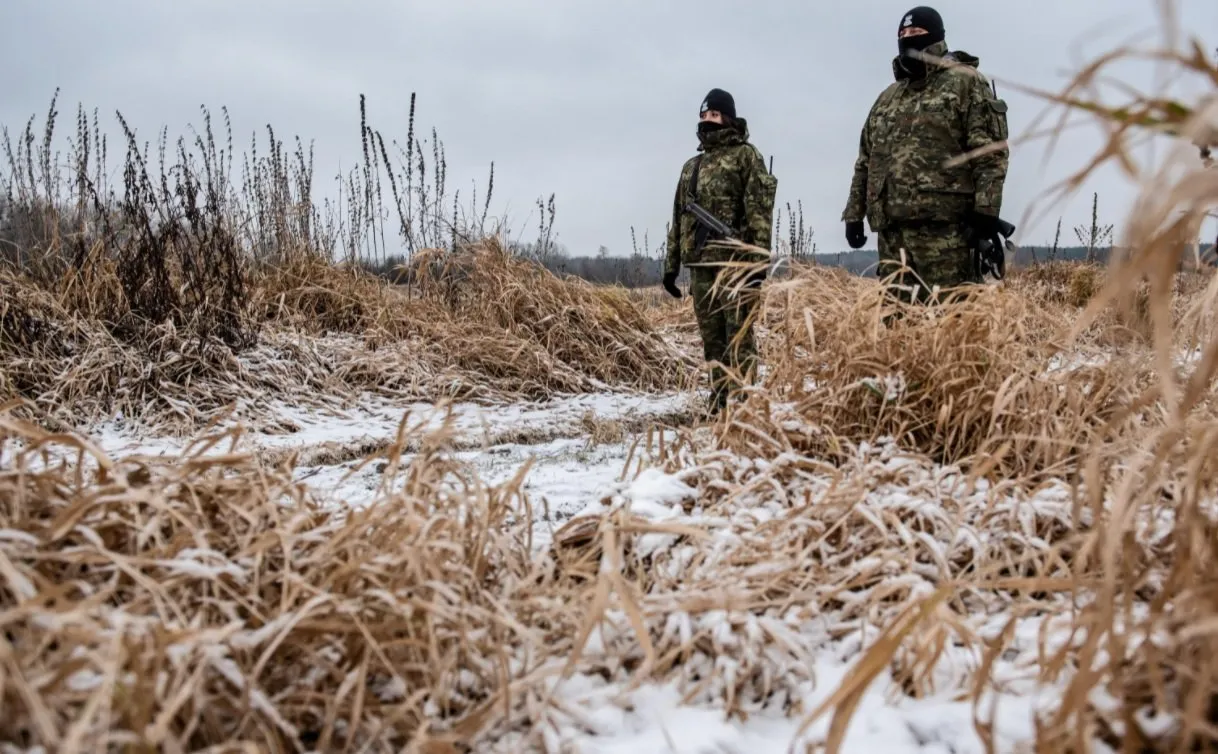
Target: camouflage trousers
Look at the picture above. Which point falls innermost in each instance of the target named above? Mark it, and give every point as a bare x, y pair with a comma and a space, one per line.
937, 254
725, 324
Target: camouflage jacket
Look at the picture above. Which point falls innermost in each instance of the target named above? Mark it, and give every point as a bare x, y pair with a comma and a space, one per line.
913, 128
733, 185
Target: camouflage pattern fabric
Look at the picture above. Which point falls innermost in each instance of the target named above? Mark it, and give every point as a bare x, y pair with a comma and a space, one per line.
914, 127
936, 254
725, 324
733, 185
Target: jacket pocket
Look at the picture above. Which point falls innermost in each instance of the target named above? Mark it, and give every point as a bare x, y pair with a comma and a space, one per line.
998, 120
768, 193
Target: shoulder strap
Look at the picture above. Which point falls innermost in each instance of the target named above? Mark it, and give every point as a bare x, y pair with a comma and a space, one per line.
692, 188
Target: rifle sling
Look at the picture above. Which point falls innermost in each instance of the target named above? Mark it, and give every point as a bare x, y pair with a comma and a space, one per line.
691, 195
692, 188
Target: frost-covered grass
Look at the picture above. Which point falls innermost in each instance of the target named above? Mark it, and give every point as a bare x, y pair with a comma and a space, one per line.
761, 584
901, 538
699, 559
374, 423
603, 572
963, 529
837, 561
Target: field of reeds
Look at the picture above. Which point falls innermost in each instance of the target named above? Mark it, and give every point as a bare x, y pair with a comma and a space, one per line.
184, 292
990, 526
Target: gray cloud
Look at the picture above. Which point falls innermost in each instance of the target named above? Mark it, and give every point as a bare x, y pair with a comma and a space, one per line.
594, 102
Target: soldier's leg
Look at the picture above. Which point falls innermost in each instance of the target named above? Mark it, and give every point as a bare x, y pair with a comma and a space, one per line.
742, 345
894, 257
943, 257
712, 326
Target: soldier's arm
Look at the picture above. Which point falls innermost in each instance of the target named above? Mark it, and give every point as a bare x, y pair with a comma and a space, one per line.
760, 190
672, 260
856, 203
986, 130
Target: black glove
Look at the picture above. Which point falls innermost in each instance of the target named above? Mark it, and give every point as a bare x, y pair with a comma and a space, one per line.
755, 279
670, 284
986, 226
854, 234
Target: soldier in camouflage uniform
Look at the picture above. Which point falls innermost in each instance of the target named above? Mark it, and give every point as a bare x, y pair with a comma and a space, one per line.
729, 179
935, 110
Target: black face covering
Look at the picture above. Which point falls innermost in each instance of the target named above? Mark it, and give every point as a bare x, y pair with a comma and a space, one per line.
921, 17
909, 67
707, 126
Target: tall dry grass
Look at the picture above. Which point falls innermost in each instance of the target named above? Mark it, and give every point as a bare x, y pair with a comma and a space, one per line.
1100, 378
906, 493
208, 601
185, 291
516, 333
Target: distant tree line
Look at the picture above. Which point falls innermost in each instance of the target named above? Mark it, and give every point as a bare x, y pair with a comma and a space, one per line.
634, 271
644, 267
638, 271
864, 261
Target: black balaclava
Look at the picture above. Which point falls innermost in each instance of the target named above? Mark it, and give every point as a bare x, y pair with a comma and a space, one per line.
926, 18
717, 99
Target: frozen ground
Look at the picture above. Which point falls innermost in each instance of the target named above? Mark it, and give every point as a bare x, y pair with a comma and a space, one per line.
774, 661
612, 719
578, 448
374, 423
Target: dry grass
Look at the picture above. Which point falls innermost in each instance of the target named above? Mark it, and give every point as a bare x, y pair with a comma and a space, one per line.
181, 294
1132, 431
908, 495
491, 327
664, 311
175, 605
593, 333
994, 375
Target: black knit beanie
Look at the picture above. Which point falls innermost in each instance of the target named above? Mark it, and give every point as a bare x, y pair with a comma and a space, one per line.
717, 99
923, 17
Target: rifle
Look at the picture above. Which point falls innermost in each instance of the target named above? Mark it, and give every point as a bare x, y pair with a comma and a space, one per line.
707, 222
988, 258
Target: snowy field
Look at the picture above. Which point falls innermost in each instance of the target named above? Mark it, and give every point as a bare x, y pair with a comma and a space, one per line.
583, 457
576, 561
604, 573
570, 463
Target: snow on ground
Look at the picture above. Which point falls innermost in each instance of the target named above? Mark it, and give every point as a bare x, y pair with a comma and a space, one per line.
652, 719
570, 467
574, 475
566, 476
812, 652
376, 420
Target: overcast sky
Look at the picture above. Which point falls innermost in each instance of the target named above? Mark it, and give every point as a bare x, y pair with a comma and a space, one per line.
594, 101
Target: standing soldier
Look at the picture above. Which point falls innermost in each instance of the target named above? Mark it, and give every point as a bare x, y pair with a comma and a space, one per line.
729, 179
939, 108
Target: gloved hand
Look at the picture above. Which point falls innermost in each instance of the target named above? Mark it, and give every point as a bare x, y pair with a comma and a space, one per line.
670, 284
986, 226
854, 234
